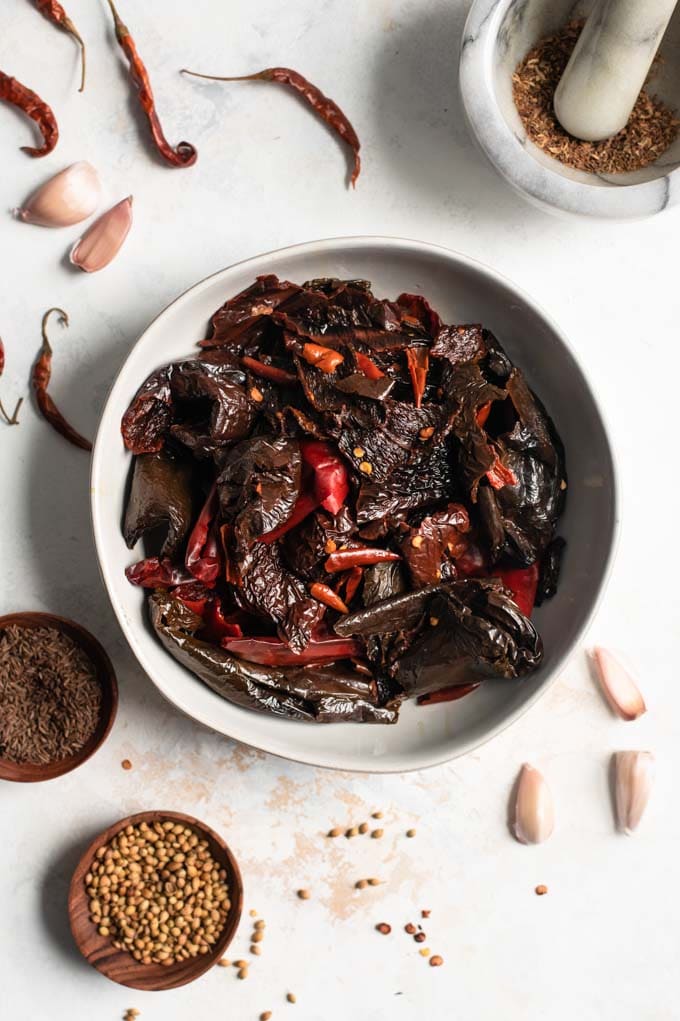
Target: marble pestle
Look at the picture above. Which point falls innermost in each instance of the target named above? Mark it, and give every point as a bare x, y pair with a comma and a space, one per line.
609, 65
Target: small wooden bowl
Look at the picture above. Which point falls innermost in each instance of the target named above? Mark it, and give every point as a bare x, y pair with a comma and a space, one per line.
25, 772
120, 966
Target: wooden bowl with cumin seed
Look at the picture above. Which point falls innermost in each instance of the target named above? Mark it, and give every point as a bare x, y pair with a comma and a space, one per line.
28, 772
119, 965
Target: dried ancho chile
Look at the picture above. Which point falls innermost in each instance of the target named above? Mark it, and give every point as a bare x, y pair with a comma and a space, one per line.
345, 503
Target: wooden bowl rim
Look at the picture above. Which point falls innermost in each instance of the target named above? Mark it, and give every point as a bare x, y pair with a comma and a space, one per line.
29, 772
160, 977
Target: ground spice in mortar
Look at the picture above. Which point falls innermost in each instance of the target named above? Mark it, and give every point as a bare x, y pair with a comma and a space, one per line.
50, 697
651, 128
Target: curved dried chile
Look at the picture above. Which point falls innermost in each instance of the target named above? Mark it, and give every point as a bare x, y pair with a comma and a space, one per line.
184, 154
450, 694
271, 372
324, 358
367, 366
203, 548
42, 372
418, 360
344, 559
273, 652
54, 12
14, 420
325, 594
12, 91
327, 110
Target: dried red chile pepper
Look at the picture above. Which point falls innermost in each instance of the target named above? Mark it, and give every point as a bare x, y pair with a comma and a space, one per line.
184, 154
53, 11
327, 110
42, 371
14, 420
12, 91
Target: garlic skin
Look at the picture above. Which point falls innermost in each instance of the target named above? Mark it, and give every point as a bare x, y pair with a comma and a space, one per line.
101, 242
633, 781
619, 688
67, 198
534, 812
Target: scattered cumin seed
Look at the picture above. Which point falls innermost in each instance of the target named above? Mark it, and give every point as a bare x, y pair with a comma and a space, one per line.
651, 128
126, 764
374, 882
410, 833
436, 961
291, 997
304, 894
361, 884
541, 889
377, 834
223, 963
384, 928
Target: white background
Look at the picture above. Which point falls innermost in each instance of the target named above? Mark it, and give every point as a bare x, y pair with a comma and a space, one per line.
603, 944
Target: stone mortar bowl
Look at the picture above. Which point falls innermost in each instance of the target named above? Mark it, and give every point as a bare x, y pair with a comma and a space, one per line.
497, 36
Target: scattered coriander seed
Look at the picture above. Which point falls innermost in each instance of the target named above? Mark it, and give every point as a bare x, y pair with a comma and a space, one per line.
384, 928
353, 831
377, 815
257, 937
256, 949
424, 951
377, 834
240, 964
436, 961
425, 913
291, 997
374, 882
265, 1015
256, 395
541, 890
335, 832
410, 833
410, 928
361, 884
253, 913
417, 541
260, 924
420, 937
358, 451
363, 828
243, 972
126, 764
366, 467
223, 963
304, 894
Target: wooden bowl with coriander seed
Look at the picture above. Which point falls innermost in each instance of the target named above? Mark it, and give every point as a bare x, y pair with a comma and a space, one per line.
155, 900
58, 696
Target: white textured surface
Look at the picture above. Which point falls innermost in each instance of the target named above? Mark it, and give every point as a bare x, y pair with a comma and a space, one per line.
600, 946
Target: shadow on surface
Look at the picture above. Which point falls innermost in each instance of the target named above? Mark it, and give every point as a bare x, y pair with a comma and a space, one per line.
54, 898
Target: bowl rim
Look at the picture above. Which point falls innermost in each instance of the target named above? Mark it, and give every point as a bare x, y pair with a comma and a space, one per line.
412, 246
29, 772
510, 156
77, 897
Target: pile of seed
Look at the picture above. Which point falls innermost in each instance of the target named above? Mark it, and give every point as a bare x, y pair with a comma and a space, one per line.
50, 698
156, 890
651, 128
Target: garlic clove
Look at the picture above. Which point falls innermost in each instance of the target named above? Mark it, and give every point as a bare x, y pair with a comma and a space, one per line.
619, 688
534, 812
633, 780
67, 198
101, 242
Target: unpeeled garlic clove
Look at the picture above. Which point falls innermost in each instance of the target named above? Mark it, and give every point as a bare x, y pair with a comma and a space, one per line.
634, 777
619, 688
534, 812
101, 242
67, 198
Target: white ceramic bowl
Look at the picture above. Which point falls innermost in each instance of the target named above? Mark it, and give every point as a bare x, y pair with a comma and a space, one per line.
462, 291
497, 36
